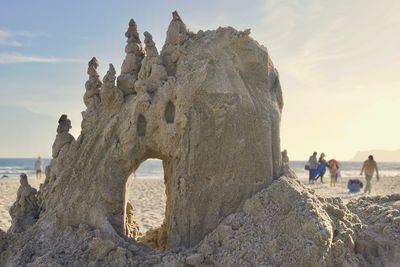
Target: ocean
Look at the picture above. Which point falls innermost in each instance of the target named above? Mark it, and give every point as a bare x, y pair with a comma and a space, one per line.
152, 168
11, 168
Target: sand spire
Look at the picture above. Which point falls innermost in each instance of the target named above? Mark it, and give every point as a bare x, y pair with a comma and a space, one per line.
91, 97
177, 34
110, 94
132, 62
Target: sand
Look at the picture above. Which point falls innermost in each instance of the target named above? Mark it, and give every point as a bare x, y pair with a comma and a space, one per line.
149, 200
385, 186
148, 196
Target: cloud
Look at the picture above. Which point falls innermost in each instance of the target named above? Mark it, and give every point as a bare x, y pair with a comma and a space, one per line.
321, 44
8, 42
9, 38
6, 39
30, 34
10, 58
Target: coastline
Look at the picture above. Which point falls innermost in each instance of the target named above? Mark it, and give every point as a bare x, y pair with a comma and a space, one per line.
148, 196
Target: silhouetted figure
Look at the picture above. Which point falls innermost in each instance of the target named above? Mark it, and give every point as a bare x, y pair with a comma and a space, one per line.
38, 168
369, 167
323, 161
312, 166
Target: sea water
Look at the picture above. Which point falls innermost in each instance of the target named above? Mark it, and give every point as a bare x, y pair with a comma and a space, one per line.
152, 168
11, 168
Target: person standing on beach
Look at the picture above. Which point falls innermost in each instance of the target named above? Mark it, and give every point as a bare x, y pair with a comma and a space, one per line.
324, 163
369, 167
38, 168
333, 169
312, 166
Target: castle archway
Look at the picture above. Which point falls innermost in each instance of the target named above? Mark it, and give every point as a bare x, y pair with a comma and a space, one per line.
147, 198
146, 204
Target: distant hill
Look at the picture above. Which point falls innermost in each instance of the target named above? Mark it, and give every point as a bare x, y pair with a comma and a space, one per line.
379, 155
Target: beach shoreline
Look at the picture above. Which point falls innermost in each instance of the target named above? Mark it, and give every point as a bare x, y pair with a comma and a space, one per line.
148, 196
385, 186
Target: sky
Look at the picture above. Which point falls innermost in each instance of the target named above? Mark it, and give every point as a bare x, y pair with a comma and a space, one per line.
339, 65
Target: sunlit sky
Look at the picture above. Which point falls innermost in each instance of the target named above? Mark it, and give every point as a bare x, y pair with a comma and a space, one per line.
339, 64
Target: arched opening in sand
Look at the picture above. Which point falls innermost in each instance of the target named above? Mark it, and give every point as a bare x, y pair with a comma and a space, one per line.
146, 204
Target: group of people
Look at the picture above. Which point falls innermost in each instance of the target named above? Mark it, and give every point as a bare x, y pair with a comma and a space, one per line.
317, 170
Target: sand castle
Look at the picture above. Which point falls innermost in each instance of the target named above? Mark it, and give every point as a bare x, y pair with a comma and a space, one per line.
209, 106
25, 210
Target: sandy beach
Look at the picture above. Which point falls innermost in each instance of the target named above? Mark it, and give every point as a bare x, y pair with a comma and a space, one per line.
148, 196
148, 199
385, 186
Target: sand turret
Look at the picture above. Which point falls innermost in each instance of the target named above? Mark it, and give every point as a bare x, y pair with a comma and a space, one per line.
109, 78
24, 212
177, 34
110, 94
132, 62
63, 136
152, 75
91, 97
150, 46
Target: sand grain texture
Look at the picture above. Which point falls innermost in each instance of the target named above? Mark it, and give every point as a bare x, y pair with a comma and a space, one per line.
148, 199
